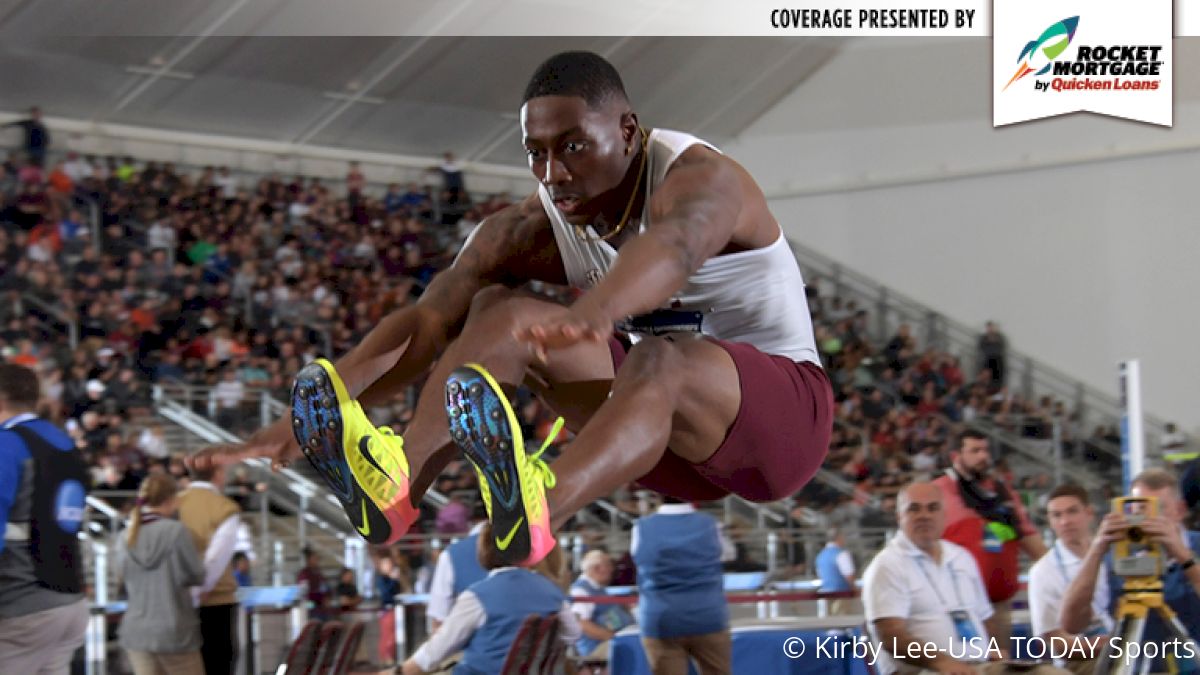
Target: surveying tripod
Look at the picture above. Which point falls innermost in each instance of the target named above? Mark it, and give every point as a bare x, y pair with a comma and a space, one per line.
1139, 598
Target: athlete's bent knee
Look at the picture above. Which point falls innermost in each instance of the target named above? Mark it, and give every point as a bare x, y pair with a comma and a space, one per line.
490, 297
654, 359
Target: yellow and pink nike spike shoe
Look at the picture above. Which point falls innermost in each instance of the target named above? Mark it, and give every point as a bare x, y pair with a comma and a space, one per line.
513, 483
363, 465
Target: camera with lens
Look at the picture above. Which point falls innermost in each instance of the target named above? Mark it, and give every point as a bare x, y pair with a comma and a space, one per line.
1134, 555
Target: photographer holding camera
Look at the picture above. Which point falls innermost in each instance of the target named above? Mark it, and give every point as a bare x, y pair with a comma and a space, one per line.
1180, 580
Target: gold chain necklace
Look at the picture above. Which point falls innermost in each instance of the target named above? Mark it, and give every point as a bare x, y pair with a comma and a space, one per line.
582, 233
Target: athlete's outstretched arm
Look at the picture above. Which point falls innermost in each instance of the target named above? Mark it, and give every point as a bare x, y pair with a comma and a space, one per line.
693, 216
404, 343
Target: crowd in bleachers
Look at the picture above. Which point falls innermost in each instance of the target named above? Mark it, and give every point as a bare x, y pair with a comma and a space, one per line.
900, 404
231, 283
227, 284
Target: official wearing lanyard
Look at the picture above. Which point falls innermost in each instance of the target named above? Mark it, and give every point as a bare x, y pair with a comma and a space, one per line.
1099, 625
963, 625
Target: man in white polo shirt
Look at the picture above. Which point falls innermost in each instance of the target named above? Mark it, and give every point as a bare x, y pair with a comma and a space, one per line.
1071, 517
925, 603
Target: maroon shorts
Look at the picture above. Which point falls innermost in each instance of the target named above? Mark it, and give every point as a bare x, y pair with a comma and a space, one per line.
776, 443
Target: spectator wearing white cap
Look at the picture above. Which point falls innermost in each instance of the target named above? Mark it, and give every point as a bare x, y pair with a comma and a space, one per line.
599, 623
93, 400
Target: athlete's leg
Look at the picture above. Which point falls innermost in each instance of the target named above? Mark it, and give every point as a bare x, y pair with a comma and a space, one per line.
684, 392
679, 392
488, 339
380, 477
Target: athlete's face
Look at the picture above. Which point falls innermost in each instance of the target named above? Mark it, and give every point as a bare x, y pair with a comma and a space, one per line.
580, 153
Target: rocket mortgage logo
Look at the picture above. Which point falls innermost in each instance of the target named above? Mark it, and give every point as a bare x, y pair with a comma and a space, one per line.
1082, 62
1038, 55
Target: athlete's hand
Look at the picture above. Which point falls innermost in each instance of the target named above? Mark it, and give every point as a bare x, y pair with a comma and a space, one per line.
577, 325
280, 451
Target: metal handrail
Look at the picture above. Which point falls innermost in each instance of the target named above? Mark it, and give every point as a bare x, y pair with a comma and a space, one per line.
212, 433
1076, 473
61, 314
93, 209
94, 501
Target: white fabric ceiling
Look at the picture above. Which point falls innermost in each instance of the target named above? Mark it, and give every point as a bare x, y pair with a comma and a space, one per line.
182, 66
415, 96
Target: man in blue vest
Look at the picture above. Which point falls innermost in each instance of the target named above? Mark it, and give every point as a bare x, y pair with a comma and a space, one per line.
599, 622
43, 485
1180, 579
835, 567
682, 610
488, 614
457, 568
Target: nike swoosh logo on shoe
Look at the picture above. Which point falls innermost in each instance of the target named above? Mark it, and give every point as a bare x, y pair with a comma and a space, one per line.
503, 543
365, 528
364, 447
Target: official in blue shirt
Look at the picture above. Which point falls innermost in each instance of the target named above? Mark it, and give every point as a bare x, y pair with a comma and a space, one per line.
681, 608
240, 564
1181, 580
598, 622
835, 567
456, 569
488, 615
43, 487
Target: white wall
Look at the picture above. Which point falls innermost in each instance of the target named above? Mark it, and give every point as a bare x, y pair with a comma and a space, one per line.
1082, 264
1078, 235
1083, 267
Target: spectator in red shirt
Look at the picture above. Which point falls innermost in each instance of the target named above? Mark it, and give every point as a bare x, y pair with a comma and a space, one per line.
985, 516
60, 181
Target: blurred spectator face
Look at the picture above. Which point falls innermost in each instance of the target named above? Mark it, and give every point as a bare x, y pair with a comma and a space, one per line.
1069, 517
974, 458
599, 567
412, 256
920, 514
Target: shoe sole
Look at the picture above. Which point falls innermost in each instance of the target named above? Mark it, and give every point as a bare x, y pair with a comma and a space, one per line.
479, 425
317, 426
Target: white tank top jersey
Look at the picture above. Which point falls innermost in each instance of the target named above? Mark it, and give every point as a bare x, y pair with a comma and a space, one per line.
754, 296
